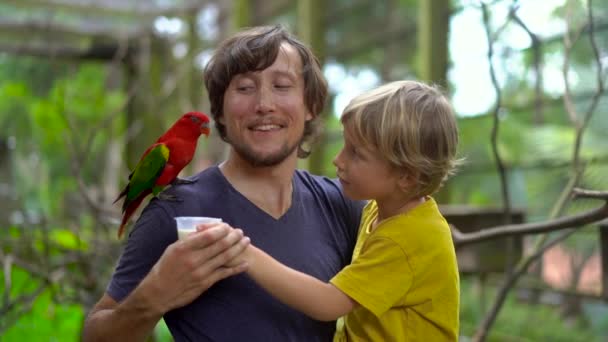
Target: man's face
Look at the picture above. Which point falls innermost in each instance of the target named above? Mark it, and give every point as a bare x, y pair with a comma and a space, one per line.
264, 111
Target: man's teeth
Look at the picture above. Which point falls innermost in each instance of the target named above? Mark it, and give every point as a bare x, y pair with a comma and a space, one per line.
266, 127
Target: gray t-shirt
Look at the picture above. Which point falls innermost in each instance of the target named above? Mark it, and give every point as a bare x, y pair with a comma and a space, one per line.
316, 236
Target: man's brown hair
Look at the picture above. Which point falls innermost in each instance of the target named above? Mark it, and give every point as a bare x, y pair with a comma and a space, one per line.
256, 49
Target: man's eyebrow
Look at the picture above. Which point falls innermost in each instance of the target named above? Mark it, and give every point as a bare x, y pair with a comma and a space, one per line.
290, 73
244, 74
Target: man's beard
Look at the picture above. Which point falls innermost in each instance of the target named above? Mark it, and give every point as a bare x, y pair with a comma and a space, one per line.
259, 160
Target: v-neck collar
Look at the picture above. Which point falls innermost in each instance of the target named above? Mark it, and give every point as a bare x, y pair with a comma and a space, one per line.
248, 203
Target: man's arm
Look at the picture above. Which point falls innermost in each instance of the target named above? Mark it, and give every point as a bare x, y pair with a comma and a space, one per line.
315, 298
126, 321
186, 269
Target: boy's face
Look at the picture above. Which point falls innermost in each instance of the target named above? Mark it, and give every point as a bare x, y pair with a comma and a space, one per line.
364, 174
265, 112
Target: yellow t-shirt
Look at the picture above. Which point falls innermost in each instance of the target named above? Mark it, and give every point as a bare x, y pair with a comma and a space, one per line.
404, 276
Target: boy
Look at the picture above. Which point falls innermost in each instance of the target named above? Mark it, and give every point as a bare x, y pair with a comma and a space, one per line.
400, 144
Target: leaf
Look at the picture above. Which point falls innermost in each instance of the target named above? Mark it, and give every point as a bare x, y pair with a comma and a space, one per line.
67, 239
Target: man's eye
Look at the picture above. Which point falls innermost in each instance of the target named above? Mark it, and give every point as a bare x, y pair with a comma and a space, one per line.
283, 86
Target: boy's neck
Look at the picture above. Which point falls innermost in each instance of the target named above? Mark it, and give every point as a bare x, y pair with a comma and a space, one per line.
388, 209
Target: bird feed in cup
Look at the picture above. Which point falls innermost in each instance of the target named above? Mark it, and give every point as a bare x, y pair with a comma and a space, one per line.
187, 224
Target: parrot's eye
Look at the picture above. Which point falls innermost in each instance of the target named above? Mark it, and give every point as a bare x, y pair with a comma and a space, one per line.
195, 119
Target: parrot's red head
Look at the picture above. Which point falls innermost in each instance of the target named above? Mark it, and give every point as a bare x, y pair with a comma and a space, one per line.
200, 120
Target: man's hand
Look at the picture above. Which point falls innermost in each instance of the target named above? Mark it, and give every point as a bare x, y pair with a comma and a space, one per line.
186, 269
243, 258
190, 266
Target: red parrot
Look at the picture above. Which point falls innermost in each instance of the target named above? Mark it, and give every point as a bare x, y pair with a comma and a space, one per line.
162, 162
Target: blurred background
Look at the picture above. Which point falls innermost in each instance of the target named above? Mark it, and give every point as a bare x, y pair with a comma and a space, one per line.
87, 85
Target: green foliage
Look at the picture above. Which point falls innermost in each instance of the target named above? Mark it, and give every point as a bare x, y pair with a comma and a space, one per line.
40, 74
354, 38
519, 321
537, 158
62, 135
69, 125
46, 319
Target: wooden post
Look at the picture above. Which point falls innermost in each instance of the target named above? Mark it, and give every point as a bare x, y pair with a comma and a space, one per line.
311, 30
433, 55
433, 28
7, 189
149, 111
242, 14
603, 227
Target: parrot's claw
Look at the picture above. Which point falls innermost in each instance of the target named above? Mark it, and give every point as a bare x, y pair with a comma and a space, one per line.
178, 181
170, 198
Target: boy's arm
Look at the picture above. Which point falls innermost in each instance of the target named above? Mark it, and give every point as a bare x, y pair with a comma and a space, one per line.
319, 300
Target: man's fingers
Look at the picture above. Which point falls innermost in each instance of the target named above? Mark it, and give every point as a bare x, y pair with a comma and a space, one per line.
209, 267
204, 226
219, 246
202, 239
229, 254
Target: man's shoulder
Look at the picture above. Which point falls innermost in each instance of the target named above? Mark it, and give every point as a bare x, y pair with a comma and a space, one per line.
310, 180
207, 178
326, 191
199, 187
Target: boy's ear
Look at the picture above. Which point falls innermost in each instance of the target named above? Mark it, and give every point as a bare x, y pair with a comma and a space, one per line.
407, 180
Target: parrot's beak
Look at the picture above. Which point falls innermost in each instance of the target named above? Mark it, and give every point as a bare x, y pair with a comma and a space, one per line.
205, 128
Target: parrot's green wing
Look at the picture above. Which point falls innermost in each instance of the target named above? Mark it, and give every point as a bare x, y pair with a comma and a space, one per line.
148, 170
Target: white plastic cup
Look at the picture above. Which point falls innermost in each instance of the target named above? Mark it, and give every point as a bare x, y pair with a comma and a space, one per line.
187, 224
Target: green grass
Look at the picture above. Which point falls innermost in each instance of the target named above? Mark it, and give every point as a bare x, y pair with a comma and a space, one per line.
519, 321
48, 321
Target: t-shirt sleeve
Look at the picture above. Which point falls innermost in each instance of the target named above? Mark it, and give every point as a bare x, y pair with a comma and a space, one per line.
379, 277
147, 241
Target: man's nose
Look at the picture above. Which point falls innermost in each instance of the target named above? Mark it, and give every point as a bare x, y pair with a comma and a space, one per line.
265, 101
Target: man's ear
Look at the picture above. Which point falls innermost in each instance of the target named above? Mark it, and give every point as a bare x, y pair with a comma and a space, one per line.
309, 116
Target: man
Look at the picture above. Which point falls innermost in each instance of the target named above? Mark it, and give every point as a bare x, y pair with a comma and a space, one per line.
266, 91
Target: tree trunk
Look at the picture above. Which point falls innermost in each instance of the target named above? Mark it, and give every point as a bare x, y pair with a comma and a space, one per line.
147, 112
311, 29
7, 181
241, 14
433, 29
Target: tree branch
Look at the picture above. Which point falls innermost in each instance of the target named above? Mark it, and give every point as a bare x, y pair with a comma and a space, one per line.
95, 51
570, 189
538, 68
54, 28
577, 220
502, 172
510, 282
129, 8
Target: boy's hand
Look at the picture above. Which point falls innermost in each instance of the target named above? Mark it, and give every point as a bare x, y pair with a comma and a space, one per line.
242, 258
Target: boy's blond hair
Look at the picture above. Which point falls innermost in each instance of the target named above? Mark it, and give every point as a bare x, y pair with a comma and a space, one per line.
410, 124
